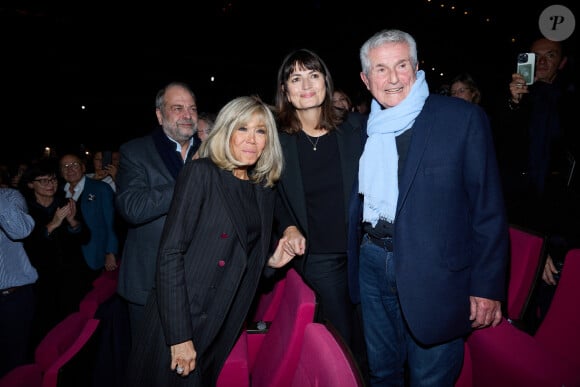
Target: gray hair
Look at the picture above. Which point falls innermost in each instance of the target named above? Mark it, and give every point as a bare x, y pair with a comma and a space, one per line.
387, 36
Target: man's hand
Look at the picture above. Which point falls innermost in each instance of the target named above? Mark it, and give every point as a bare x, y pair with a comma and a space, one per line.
549, 271
518, 88
110, 262
295, 243
484, 312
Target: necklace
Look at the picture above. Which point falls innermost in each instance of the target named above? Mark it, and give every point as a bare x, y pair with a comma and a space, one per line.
314, 143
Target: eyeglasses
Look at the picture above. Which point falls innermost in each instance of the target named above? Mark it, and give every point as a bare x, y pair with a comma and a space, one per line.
75, 165
460, 90
46, 181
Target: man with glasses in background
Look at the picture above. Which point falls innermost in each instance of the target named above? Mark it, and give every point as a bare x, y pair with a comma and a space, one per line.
95, 201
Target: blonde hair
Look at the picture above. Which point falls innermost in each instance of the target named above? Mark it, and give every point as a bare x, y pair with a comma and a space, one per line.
234, 115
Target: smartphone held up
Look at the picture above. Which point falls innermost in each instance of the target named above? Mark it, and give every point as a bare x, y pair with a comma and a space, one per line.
527, 66
107, 158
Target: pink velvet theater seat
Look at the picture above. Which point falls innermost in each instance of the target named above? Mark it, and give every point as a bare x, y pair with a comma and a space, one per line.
103, 289
465, 378
268, 303
324, 361
527, 253
271, 355
506, 356
57, 348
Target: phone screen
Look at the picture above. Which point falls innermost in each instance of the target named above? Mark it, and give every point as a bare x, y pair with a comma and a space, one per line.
527, 66
107, 158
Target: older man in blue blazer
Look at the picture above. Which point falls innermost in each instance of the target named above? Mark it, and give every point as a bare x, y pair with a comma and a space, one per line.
96, 202
434, 250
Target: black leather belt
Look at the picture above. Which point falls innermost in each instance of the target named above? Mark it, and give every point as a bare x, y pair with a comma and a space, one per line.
385, 243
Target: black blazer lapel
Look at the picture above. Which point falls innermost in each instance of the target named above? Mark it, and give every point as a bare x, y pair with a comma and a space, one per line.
265, 198
290, 186
233, 207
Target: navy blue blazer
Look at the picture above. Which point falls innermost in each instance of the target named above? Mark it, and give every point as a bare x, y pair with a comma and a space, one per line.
97, 204
450, 233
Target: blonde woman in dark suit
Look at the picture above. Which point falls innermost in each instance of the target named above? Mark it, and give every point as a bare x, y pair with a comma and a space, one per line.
214, 248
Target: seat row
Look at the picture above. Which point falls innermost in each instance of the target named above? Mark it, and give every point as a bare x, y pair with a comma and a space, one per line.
286, 347
506, 355
65, 356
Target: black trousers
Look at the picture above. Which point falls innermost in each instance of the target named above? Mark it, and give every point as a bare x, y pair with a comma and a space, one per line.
327, 275
16, 317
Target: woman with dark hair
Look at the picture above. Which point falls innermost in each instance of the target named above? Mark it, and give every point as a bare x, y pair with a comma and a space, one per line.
321, 155
54, 246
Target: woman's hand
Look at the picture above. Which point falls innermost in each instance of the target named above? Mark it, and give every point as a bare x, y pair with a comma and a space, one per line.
281, 256
72, 211
61, 214
183, 357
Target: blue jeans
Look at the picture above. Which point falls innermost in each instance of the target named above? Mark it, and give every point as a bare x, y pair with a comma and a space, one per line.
390, 345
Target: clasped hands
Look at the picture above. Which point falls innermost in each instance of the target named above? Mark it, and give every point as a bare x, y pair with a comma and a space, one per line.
290, 245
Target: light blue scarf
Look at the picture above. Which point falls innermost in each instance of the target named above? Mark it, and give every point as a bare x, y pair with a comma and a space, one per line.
378, 165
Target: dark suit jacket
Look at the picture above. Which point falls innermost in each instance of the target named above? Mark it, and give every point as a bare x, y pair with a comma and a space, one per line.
350, 135
451, 233
144, 190
97, 204
206, 279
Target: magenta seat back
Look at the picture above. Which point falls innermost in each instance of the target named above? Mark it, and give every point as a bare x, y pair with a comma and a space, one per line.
506, 356
465, 378
79, 374
268, 303
323, 361
560, 329
27, 375
59, 345
104, 280
100, 293
278, 355
526, 256
59, 339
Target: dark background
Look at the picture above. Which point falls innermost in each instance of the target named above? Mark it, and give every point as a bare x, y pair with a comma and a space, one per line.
113, 57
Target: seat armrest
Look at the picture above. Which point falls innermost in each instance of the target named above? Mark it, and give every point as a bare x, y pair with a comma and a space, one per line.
257, 327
